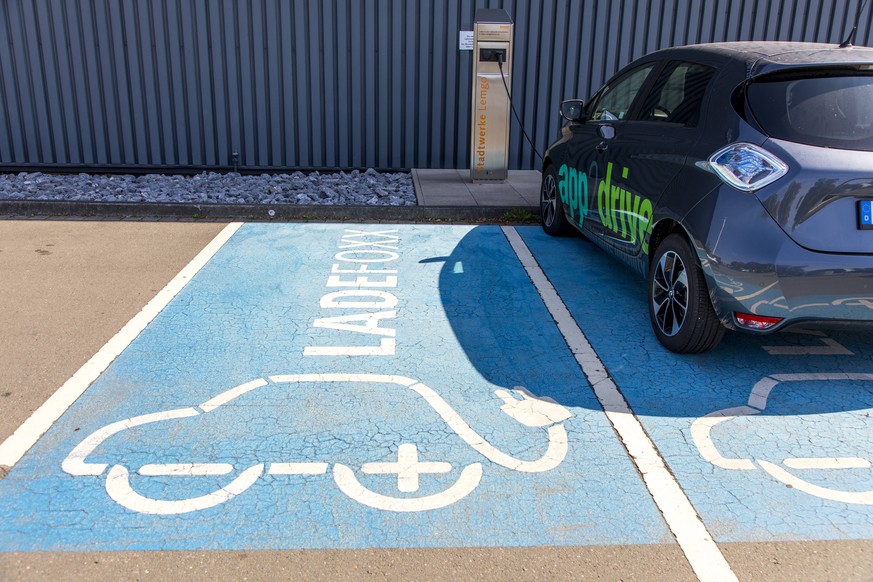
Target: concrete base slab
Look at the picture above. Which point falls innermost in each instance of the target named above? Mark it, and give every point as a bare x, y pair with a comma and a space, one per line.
456, 188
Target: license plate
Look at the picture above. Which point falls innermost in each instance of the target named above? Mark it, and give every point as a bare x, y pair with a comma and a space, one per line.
865, 214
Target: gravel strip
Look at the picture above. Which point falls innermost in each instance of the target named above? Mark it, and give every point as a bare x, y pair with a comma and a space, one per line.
355, 188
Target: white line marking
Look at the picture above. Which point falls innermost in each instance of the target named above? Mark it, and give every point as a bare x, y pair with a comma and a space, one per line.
297, 469
827, 463
387, 347
119, 489
229, 395
700, 433
698, 546
527, 411
185, 469
14, 447
75, 463
831, 348
855, 497
349, 484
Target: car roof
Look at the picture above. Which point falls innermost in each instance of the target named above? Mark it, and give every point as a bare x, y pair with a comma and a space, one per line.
766, 56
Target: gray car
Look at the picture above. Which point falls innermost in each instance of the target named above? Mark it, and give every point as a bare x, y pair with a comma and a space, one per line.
736, 177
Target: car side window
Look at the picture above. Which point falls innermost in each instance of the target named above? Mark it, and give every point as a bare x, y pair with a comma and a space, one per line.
677, 95
616, 98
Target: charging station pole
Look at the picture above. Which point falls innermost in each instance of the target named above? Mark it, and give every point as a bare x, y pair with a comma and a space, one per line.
492, 50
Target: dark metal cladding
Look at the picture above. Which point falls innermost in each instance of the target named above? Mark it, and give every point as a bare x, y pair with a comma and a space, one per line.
325, 83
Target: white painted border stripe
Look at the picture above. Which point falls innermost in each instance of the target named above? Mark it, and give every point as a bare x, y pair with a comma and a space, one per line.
698, 546
14, 447
827, 463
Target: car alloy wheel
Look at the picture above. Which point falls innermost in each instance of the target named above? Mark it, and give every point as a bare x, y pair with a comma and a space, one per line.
551, 209
549, 199
670, 293
679, 306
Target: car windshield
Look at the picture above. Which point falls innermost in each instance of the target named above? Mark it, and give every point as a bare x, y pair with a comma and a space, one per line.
821, 108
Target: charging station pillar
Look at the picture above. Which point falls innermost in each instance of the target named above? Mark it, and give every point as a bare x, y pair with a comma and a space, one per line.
492, 48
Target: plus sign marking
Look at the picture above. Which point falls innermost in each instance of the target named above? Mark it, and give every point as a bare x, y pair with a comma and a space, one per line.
407, 468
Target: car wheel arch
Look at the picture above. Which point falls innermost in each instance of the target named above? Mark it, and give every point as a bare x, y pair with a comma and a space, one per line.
664, 228
660, 231
548, 162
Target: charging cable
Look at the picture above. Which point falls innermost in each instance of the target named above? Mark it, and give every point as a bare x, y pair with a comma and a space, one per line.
514, 112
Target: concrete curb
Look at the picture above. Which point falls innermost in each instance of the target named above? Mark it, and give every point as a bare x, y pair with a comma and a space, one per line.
252, 212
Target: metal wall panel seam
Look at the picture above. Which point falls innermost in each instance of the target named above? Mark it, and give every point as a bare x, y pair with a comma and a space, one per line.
61, 28
245, 83
289, 96
329, 84
79, 70
203, 100
366, 73
868, 34
343, 87
356, 43
230, 58
425, 89
275, 102
11, 106
181, 86
392, 76
261, 62
143, 92
159, 74
381, 77
58, 88
572, 86
98, 102
536, 125
225, 118
6, 148
38, 117
435, 94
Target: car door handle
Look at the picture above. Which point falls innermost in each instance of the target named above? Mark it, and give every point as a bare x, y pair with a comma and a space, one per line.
601, 147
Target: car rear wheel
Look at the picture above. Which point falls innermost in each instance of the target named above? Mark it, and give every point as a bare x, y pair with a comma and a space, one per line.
551, 211
679, 307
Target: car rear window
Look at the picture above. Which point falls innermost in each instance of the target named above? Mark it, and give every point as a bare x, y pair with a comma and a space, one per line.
828, 109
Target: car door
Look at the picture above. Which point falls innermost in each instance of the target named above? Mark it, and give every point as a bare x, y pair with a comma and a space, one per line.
589, 140
647, 151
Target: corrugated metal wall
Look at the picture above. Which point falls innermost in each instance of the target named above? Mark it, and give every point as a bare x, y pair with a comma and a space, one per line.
325, 83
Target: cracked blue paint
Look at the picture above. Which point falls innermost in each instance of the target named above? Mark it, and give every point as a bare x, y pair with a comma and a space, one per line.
802, 419
248, 314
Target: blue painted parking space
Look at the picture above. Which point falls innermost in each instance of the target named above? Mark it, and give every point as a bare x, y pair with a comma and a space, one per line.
770, 437
339, 386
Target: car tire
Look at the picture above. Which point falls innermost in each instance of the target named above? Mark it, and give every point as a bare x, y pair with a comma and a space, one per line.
551, 210
679, 307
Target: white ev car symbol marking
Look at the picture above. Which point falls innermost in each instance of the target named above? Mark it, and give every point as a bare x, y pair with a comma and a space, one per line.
702, 427
519, 404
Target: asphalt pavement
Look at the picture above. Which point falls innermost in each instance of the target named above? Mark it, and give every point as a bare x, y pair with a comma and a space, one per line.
455, 310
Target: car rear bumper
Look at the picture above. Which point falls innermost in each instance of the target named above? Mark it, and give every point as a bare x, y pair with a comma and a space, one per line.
753, 267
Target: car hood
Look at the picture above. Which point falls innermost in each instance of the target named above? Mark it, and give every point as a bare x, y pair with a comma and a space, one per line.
816, 203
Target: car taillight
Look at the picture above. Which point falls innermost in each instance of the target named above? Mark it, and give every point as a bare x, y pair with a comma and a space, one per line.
747, 167
758, 322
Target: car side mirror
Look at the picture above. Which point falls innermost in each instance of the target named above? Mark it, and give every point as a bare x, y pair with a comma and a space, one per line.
573, 110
